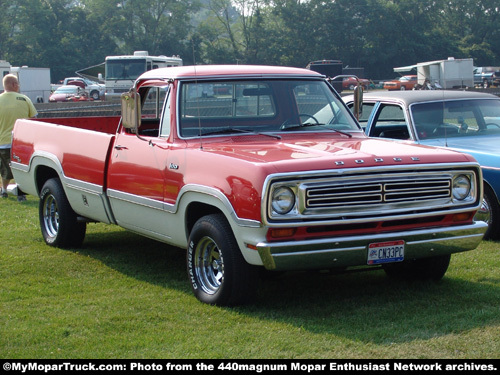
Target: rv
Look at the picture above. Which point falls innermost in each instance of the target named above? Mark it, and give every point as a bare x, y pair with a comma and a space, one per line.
122, 71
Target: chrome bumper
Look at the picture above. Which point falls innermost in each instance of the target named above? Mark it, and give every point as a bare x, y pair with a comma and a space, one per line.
353, 251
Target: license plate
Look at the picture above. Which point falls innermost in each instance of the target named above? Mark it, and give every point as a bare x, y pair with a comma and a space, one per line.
386, 252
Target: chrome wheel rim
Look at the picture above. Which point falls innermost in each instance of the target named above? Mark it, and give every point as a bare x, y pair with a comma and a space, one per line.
50, 216
209, 265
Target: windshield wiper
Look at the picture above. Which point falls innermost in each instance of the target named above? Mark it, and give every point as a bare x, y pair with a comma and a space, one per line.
225, 131
298, 126
238, 130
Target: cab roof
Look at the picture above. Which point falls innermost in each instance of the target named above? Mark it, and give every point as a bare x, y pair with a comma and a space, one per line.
227, 71
417, 96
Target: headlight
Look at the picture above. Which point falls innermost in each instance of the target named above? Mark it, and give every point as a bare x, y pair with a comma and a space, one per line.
283, 200
461, 187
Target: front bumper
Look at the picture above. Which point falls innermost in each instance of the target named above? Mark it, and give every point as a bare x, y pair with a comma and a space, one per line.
353, 251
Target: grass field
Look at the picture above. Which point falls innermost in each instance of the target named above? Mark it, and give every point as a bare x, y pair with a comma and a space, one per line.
123, 296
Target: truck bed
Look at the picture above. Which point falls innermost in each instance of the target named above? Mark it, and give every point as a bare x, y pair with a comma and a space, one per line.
80, 145
103, 124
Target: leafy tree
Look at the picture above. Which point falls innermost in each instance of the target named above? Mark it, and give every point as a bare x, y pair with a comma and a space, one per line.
69, 35
160, 27
475, 28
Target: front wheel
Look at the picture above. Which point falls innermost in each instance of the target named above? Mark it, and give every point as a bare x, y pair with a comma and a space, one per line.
490, 214
58, 222
419, 269
218, 272
95, 95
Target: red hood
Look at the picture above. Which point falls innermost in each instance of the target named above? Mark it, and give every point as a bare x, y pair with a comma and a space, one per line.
317, 152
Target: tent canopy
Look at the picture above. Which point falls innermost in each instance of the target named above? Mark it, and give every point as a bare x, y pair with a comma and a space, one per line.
405, 68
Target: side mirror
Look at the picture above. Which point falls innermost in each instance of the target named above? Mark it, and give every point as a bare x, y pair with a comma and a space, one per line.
358, 94
131, 109
358, 101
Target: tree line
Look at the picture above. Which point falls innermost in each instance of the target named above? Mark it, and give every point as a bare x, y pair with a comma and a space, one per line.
378, 35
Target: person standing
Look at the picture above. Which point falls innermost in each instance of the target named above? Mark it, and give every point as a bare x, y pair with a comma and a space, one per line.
13, 106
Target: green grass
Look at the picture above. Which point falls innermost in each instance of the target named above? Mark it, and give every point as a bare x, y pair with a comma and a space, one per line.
124, 296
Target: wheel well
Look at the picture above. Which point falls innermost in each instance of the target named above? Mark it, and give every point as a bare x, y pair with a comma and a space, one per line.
487, 185
42, 175
197, 210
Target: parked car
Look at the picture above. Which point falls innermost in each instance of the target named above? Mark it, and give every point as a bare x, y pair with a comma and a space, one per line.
402, 83
485, 75
496, 79
69, 93
463, 121
95, 90
350, 83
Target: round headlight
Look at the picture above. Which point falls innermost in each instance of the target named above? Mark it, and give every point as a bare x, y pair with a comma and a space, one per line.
461, 187
283, 200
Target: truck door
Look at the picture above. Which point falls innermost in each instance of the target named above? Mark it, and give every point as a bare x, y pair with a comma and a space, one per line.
138, 168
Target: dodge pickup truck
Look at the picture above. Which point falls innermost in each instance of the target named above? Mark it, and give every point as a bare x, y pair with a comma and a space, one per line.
250, 168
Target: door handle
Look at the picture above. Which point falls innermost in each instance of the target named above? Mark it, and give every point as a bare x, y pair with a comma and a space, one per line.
118, 147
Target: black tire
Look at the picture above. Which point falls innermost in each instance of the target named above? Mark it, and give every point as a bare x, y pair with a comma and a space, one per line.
58, 221
490, 213
218, 273
95, 95
432, 268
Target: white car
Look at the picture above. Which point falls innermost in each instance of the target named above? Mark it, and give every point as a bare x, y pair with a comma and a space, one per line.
95, 90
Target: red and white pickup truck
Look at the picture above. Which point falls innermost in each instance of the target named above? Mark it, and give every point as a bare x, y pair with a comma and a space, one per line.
250, 167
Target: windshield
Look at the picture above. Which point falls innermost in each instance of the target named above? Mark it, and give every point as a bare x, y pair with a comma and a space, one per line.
124, 69
66, 90
458, 118
272, 105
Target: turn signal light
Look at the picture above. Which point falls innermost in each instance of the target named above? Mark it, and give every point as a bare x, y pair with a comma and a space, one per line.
282, 232
461, 217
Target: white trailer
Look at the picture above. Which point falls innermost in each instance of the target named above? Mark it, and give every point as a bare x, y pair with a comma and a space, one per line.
4, 70
450, 73
34, 82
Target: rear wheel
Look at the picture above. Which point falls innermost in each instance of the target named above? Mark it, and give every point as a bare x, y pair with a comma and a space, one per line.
58, 222
419, 269
218, 272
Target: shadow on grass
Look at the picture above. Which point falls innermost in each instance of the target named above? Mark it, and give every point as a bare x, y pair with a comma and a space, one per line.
367, 306
140, 257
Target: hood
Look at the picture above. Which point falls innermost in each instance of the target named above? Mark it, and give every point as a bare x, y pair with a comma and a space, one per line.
484, 148
312, 151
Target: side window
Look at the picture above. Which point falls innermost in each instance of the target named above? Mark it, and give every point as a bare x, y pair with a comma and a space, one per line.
165, 120
390, 122
366, 111
152, 102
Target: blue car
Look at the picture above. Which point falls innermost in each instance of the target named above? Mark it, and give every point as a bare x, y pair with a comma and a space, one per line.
463, 121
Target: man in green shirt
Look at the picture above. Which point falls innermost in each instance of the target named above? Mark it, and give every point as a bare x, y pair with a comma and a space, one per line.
13, 106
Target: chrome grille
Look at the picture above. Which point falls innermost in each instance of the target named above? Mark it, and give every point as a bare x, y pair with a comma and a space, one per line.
359, 195
366, 193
